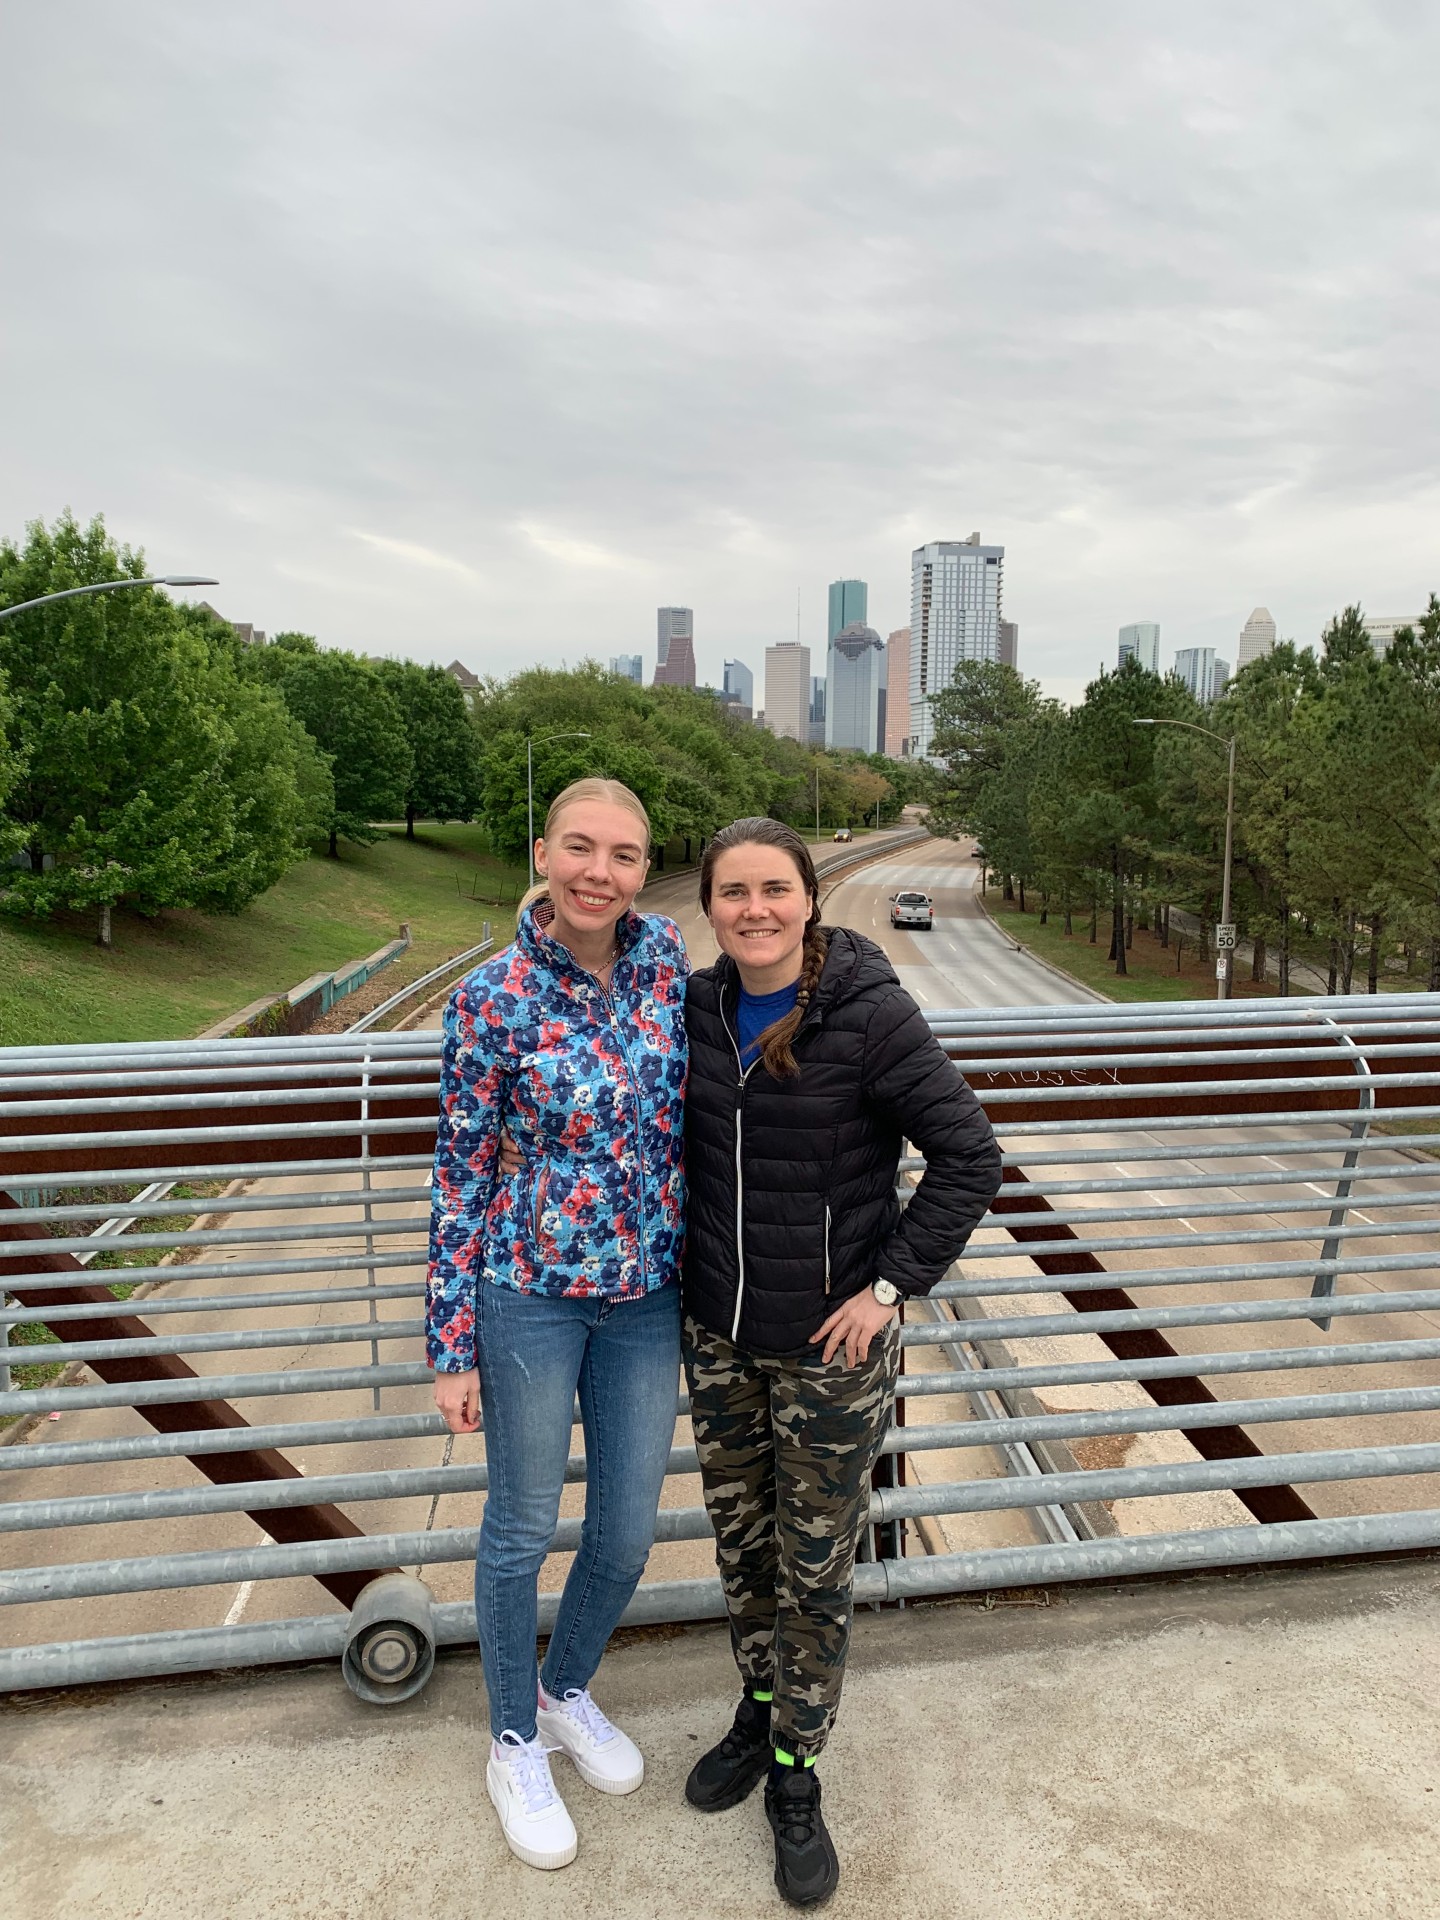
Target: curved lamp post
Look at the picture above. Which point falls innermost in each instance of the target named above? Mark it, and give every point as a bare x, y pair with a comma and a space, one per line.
109, 586
1226, 975
530, 744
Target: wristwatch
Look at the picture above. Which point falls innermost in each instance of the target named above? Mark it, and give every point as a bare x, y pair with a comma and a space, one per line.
885, 1293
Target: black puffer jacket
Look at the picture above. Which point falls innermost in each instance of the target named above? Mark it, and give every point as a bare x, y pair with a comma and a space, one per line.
803, 1170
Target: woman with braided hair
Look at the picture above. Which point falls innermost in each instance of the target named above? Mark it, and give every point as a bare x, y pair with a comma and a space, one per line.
809, 1067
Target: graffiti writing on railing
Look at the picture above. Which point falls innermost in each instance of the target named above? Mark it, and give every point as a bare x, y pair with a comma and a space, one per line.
1057, 1077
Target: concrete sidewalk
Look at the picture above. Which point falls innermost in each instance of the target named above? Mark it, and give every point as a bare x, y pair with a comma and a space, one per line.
1247, 1748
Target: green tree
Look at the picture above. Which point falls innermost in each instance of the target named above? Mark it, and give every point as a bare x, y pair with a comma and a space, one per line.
10, 764
978, 720
133, 784
1118, 818
355, 720
444, 781
1265, 707
1344, 641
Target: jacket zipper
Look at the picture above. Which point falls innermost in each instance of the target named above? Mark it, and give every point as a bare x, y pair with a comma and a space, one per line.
745, 1073
827, 1250
639, 1130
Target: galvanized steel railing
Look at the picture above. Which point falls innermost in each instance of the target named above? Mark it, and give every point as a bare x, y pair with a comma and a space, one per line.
1194, 1194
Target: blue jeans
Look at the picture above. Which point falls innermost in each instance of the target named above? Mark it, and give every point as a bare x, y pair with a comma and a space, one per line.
622, 1357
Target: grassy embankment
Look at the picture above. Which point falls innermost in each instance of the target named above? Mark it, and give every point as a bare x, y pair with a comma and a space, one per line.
178, 973
1151, 969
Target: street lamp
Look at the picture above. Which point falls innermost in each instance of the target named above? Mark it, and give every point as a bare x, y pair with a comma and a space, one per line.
110, 586
1226, 973
530, 744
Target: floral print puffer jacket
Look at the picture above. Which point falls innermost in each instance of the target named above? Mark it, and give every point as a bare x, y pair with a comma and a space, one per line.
591, 1087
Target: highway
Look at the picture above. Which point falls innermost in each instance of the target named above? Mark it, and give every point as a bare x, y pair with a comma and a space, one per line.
965, 961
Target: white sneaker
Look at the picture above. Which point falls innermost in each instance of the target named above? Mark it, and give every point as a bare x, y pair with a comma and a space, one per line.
533, 1818
604, 1756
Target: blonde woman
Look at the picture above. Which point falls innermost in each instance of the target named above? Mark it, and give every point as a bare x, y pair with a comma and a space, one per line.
560, 1281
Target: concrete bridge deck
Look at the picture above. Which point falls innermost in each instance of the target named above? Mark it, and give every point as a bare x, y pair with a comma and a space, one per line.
1254, 1747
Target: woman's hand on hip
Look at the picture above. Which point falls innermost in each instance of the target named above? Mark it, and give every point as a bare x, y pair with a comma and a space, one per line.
853, 1326
457, 1395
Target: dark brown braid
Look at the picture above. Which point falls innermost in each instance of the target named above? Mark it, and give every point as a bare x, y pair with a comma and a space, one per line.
775, 1042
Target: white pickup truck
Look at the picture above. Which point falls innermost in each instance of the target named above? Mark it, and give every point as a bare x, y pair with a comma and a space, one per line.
911, 910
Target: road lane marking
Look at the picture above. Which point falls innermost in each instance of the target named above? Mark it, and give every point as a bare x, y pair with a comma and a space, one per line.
238, 1605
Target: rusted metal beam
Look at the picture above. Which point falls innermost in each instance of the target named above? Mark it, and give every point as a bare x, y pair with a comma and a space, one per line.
1268, 1504
287, 1525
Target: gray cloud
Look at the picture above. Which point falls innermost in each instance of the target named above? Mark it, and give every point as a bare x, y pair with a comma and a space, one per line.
479, 331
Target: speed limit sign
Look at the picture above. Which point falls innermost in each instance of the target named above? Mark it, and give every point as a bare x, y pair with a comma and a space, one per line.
1225, 936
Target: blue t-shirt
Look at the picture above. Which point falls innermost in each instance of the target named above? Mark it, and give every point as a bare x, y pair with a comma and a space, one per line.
759, 1011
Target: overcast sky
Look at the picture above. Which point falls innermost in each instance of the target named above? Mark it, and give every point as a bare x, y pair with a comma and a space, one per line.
454, 328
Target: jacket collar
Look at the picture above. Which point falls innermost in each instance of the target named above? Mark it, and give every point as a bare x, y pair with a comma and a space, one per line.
849, 963
537, 945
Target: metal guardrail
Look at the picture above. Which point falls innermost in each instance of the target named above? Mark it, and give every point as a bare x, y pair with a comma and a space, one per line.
1180, 1180
450, 969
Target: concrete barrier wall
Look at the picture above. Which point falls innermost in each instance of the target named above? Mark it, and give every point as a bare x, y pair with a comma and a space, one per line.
299, 1007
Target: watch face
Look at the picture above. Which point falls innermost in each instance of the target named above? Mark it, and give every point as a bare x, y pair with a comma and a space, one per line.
885, 1293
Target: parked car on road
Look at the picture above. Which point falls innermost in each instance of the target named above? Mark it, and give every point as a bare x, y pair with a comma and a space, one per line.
843, 833
911, 910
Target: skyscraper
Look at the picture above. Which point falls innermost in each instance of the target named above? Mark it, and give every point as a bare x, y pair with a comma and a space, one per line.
852, 688
740, 684
1009, 644
1382, 628
955, 601
848, 603
787, 690
1199, 670
675, 647
629, 666
1257, 637
671, 623
817, 709
897, 694
1140, 642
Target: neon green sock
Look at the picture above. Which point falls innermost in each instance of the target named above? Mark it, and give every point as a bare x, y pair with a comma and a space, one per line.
789, 1760
756, 1694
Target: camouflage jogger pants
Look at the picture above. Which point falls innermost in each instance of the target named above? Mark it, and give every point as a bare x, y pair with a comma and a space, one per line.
786, 1448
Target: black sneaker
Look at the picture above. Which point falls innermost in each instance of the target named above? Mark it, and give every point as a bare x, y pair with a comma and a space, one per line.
722, 1777
806, 1870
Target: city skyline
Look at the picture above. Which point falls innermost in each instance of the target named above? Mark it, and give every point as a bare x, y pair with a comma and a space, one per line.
567, 398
